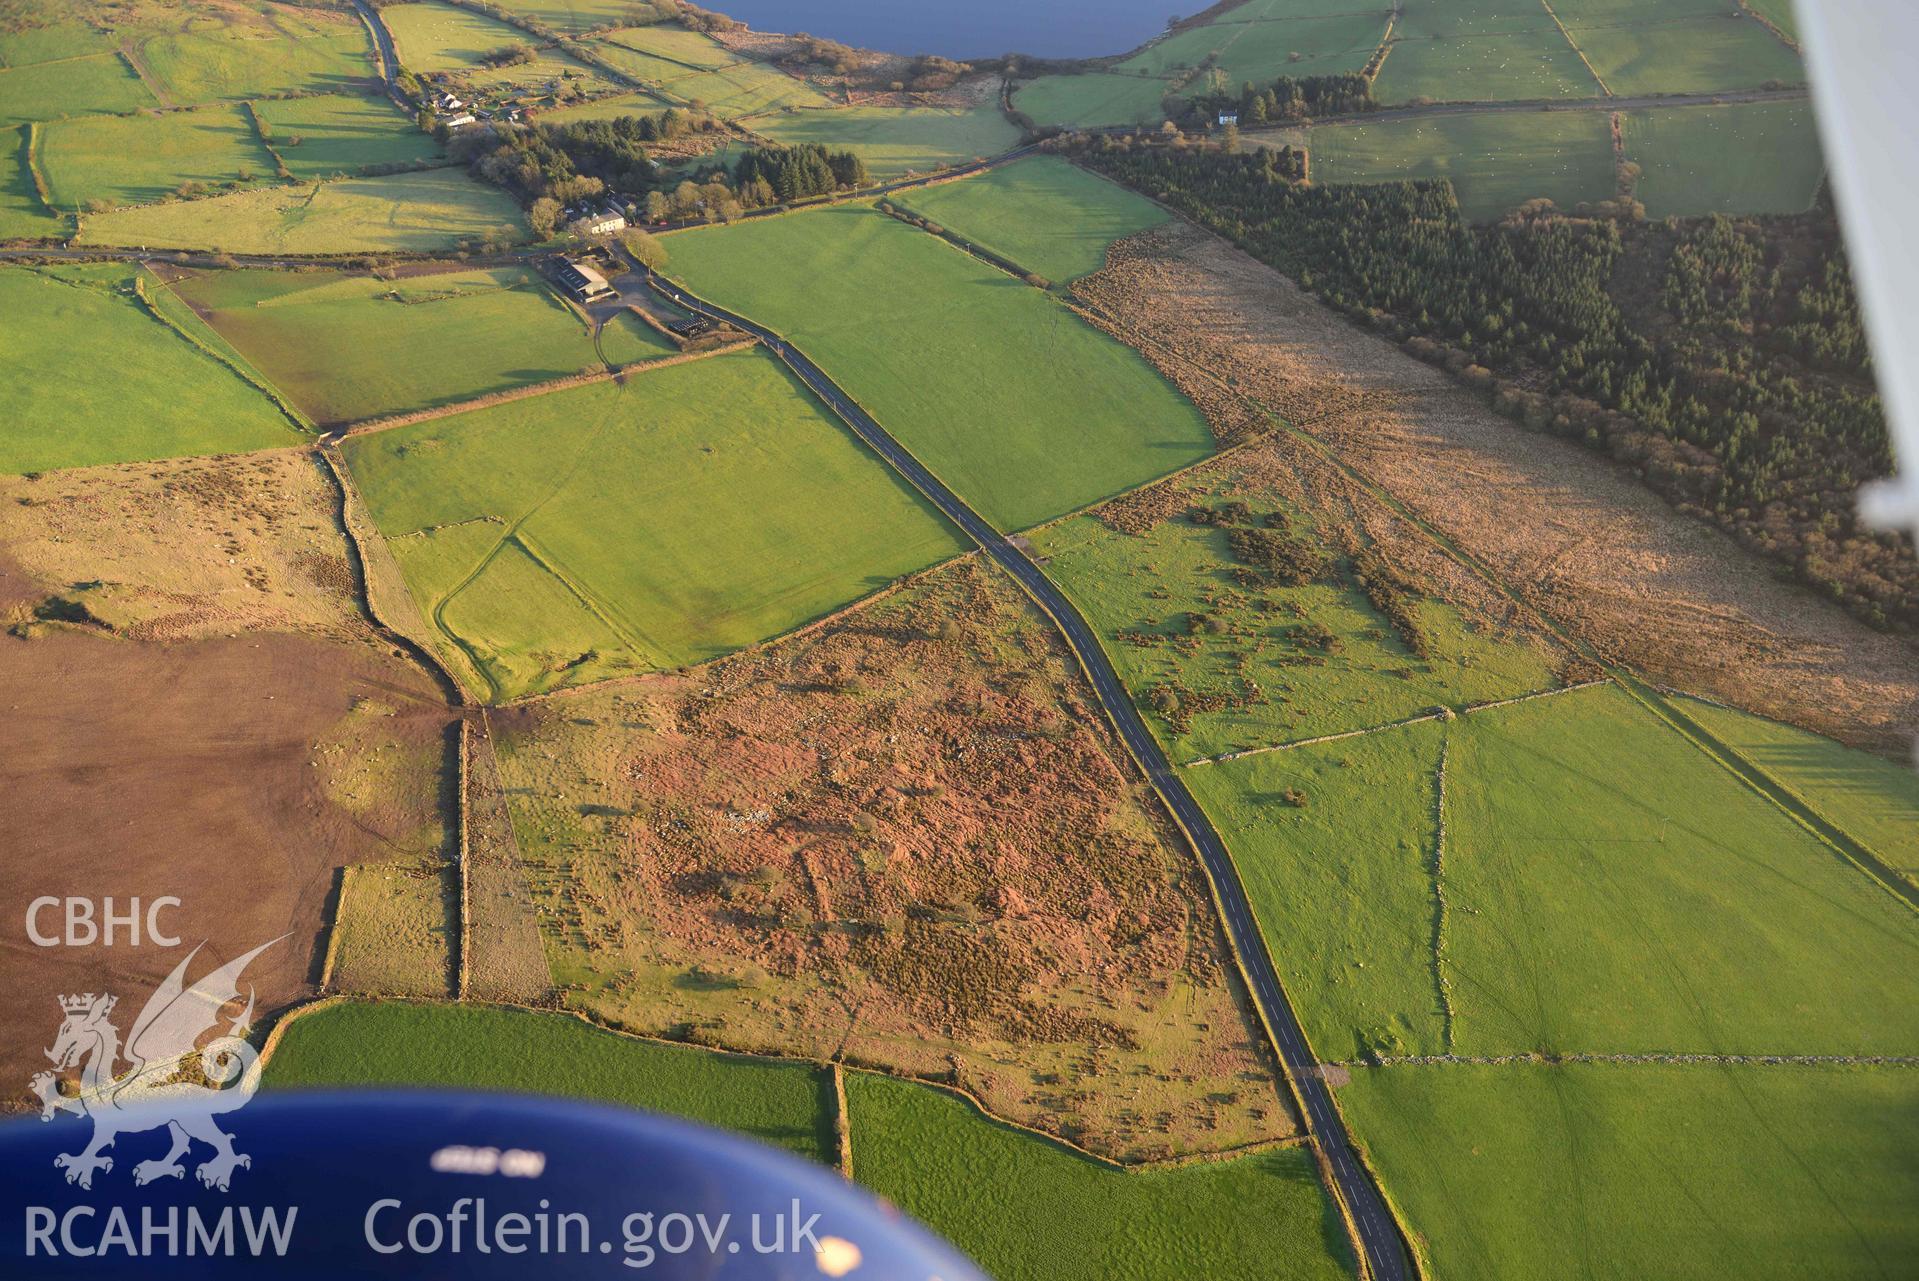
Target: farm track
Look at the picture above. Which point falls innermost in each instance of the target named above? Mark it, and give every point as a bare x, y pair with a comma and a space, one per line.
1378, 1238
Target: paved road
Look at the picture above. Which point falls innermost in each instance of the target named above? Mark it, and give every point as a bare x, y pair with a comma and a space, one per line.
1379, 1236
389, 55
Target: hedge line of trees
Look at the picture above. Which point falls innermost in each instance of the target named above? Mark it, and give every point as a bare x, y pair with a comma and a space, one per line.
1740, 389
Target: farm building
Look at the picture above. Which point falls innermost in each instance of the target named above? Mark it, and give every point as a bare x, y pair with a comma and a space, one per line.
460, 121
584, 283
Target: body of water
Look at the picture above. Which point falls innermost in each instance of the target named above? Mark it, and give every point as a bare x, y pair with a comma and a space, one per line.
966, 28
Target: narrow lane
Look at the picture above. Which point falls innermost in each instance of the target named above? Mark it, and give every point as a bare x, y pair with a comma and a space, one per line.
1379, 1239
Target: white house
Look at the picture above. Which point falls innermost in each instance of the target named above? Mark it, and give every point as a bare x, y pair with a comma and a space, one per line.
604, 223
460, 121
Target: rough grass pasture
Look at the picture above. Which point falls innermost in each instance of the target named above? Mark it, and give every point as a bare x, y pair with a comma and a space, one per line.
1873, 800
691, 511
1015, 402
329, 135
1262, 49
346, 347
1692, 1172
1757, 157
1218, 666
1093, 98
1480, 51
1495, 162
22, 213
1725, 50
130, 160
323, 53
1025, 1208
366, 1044
395, 930
1044, 214
653, 813
413, 212
167, 396
1611, 889
78, 86
897, 140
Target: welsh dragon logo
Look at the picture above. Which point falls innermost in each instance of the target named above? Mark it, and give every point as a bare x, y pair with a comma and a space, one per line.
170, 1079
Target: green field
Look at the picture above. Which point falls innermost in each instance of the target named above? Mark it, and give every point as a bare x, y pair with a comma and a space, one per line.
51, 43
133, 160
571, 16
624, 104
1025, 1208
1873, 800
1044, 214
1697, 55
1256, 672
1479, 51
693, 510
50, 90
1341, 882
1246, 46
1685, 1172
413, 212
443, 38
371, 1044
737, 89
1759, 157
1022, 408
1614, 890
347, 347
1591, 907
1094, 98
329, 135
663, 52
22, 215
1780, 12
1496, 162
897, 140
326, 56
166, 398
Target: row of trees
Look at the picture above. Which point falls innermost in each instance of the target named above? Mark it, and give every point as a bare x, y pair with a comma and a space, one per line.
1739, 389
